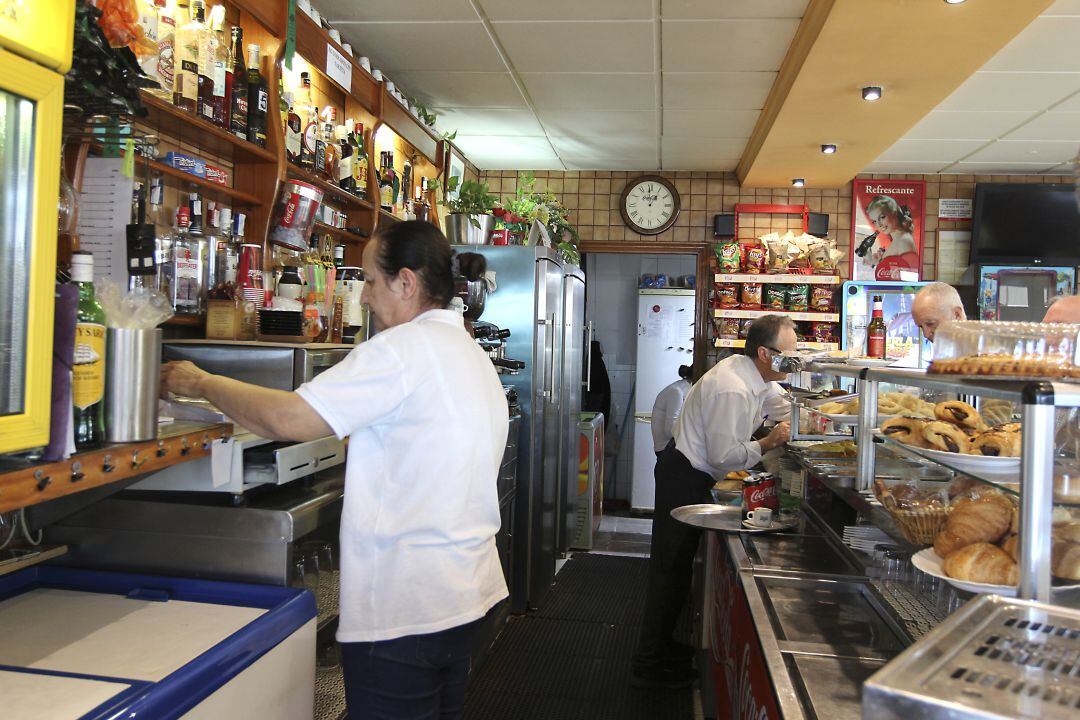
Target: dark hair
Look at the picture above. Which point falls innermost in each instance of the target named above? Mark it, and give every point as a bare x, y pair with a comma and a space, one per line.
765, 331
685, 371
422, 248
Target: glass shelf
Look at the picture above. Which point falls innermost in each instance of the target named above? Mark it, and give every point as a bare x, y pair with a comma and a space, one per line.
1006, 482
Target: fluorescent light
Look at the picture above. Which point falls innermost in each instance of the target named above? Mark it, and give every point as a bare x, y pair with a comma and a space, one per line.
871, 92
798, 182
828, 149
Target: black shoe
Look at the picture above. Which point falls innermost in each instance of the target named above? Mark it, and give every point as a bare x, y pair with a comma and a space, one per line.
663, 678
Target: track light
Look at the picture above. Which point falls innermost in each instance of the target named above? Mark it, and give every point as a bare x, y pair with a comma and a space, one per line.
798, 182
871, 93
828, 149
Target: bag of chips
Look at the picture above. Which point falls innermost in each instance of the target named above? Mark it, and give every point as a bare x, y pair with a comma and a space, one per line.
727, 295
821, 298
751, 296
727, 254
823, 332
798, 297
729, 328
744, 328
774, 297
753, 260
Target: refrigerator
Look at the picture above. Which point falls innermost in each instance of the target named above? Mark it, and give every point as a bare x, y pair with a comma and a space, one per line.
665, 340
541, 301
904, 341
1021, 293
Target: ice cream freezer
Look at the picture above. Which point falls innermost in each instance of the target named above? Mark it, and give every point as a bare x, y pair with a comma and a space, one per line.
89, 644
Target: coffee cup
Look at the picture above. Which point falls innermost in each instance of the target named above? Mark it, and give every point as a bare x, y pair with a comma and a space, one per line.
760, 517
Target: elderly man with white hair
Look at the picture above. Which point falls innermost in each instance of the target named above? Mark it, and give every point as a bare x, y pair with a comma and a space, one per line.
936, 304
1064, 309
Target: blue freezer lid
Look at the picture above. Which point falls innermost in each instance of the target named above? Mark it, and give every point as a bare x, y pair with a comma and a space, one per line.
286, 610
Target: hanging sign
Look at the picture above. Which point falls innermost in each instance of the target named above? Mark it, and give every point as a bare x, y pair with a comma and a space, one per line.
290, 35
954, 209
338, 68
887, 219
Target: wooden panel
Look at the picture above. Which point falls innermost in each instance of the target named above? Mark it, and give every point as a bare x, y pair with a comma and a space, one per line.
208, 188
311, 44
273, 14
404, 124
183, 126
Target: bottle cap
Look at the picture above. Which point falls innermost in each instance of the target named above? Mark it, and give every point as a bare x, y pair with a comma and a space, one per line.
82, 266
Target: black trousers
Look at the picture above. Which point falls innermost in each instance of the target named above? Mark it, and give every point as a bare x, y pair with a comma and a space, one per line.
671, 555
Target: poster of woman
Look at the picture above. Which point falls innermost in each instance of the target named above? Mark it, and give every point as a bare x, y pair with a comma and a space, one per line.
887, 229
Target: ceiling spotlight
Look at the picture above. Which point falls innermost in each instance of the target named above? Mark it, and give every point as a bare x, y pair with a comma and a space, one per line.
871, 92
954, 2
828, 149
798, 182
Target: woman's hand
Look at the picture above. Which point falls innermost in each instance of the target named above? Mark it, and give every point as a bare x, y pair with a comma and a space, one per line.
182, 378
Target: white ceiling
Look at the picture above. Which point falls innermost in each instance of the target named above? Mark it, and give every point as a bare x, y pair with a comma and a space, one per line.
615, 84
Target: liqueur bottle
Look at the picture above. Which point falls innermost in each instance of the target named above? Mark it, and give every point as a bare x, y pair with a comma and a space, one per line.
258, 99
345, 159
360, 161
236, 86
330, 153
189, 38
88, 372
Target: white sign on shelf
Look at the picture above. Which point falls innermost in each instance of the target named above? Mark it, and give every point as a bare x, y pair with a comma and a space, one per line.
954, 209
338, 68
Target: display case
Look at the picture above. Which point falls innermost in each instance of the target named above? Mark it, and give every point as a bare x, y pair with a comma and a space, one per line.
1008, 349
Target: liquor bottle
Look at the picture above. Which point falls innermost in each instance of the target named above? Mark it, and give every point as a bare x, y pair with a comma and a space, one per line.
875, 332
339, 256
189, 260
387, 179
309, 115
345, 159
236, 87
220, 68
258, 99
294, 133
163, 234
166, 36
360, 161
88, 372
148, 21
189, 38
319, 160
207, 55
330, 153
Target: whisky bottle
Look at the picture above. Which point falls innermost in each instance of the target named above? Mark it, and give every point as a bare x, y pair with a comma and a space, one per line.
258, 99
360, 161
345, 158
236, 86
330, 153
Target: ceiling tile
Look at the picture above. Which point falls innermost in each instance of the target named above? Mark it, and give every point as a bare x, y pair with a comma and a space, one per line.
1046, 45
504, 153
710, 123
946, 151
701, 153
1046, 152
392, 47
719, 91
961, 125
998, 168
915, 168
731, 44
390, 10
1063, 7
458, 89
488, 121
1070, 104
1050, 126
606, 152
578, 47
515, 10
711, 9
1011, 91
599, 122
592, 91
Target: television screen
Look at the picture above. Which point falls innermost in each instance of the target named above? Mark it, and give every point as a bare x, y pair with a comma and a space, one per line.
1023, 222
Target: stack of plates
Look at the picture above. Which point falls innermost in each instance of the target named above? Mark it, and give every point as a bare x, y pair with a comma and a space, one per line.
281, 322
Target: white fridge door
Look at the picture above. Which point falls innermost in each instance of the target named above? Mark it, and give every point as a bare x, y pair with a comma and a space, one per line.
665, 341
642, 488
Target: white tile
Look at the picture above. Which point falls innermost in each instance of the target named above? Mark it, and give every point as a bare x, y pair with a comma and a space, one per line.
592, 91
715, 154
1047, 153
917, 168
1011, 91
710, 9
998, 168
905, 150
717, 90
607, 151
503, 153
641, 123
1050, 126
337, 11
518, 11
436, 88
729, 44
963, 125
488, 121
578, 47
710, 123
1046, 45
1069, 104
393, 47
1063, 7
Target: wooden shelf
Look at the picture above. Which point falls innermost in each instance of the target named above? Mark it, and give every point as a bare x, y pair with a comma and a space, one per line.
383, 215
341, 234
222, 193
186, 320
402, 122
312, 42
800, 316
729, 343
782, 279
23, 484
198, 132
353, 202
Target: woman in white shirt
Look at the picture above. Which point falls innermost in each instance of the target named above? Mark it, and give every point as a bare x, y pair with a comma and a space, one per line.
427, 422
666, 409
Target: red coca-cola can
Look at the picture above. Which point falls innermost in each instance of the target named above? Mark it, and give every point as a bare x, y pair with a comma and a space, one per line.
760, 491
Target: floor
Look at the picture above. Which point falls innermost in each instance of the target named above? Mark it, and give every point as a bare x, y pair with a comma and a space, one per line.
623, 534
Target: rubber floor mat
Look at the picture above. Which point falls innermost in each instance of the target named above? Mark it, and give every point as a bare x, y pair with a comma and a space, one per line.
570, 659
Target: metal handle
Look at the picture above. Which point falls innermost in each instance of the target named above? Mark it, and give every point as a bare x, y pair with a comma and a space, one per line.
549, 379
588, 362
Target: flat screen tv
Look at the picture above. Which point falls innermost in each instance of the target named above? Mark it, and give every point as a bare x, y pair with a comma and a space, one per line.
1025, 224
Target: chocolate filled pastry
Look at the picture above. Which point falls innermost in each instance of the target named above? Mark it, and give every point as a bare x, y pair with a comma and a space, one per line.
996, 443
960, 414
946, 437
906, 430
1009, 427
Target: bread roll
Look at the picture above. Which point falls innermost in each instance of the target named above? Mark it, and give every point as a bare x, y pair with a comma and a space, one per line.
982, 563
984, 519
1011, 545
1065, 559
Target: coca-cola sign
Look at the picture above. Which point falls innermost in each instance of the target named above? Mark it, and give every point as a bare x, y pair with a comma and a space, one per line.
887, 223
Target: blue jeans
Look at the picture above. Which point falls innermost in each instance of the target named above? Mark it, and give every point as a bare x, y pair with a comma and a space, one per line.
416, 677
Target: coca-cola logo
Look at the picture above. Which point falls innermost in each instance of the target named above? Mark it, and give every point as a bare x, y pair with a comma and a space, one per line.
885, 190
759, 495
290, 210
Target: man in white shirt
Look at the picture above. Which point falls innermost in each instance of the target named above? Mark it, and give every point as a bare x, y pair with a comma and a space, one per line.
936, 304
666, 409
712, 438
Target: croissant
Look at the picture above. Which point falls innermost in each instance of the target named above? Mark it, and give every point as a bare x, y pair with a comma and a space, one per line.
1011, 545
1065, 559
977, 520
982, 563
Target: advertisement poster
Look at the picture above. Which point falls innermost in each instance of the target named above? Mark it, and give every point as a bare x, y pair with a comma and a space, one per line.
887, 229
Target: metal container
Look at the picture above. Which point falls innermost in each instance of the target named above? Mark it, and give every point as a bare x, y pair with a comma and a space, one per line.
465, 229
473, 293
132, 384
294, 215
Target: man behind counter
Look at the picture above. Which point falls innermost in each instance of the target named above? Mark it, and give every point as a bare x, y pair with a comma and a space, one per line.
712, 438
936, 304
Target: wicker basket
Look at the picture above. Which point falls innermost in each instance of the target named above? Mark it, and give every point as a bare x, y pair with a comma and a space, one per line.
920, 525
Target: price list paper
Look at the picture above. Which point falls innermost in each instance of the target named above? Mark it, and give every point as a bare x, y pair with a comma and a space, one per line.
104, 214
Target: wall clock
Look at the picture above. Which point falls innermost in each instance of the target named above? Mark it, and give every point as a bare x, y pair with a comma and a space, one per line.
649, 204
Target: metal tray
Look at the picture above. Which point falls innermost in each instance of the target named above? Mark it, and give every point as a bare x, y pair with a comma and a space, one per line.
725, 518
799, 553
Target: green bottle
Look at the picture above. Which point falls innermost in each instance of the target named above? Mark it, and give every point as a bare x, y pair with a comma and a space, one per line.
88, 372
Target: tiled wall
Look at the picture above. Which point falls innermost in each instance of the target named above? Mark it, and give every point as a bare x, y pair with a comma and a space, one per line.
593, 198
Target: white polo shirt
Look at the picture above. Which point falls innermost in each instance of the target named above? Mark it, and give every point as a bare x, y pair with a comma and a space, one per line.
427, 422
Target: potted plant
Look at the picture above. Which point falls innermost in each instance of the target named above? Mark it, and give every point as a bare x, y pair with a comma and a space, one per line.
470, 219
510, 229
545, 208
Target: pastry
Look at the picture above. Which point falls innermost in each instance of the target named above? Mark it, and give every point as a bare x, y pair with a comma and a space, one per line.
906, 430
996, 443
1011, 545
946, 437
973, 520
960, 414
1067, 489
1065, 559
982, 563
1012, 427
1069, 532
996, 412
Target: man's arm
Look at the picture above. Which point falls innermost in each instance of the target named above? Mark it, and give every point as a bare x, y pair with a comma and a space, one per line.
274, 414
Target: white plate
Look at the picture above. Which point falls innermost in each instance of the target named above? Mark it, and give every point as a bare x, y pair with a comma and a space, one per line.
775, 526
978, 464
928, 561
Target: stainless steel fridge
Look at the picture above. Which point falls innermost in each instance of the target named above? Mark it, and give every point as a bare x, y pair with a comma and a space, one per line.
541, 302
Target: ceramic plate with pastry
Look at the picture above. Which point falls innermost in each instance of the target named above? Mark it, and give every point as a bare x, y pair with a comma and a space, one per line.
845, 410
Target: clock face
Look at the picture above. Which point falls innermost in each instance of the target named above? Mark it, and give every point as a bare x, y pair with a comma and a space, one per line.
649, 205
